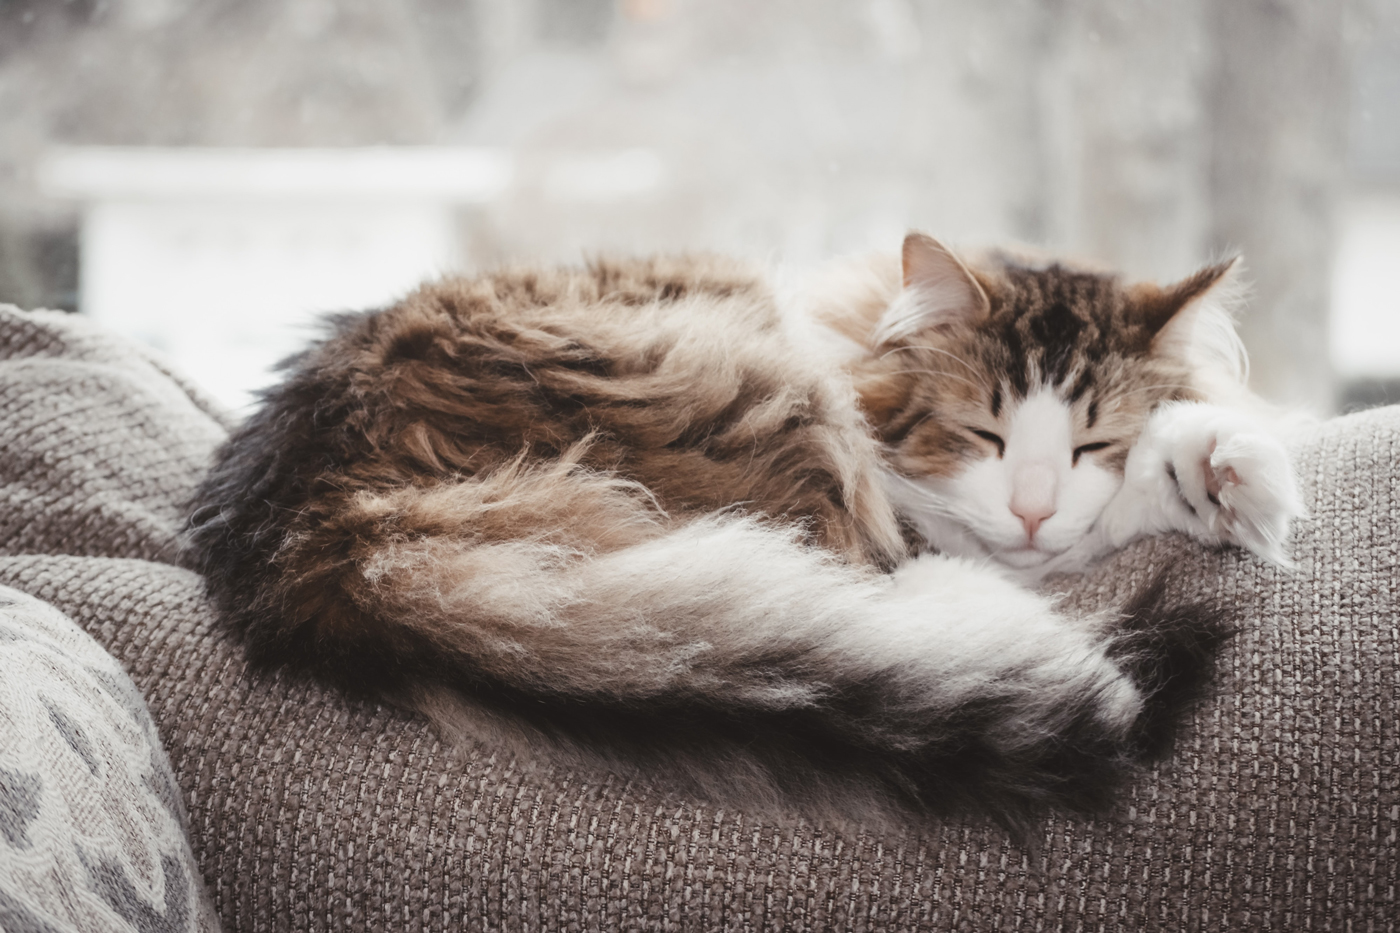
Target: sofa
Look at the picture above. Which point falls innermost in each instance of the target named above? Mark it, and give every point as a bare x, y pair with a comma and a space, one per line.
1278, 808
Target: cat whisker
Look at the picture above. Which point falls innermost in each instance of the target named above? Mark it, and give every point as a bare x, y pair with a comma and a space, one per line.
1162, 386
934, 372
930, 499
952, 356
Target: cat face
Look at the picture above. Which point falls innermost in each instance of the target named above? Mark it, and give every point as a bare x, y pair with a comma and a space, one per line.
1031, 489
1009, 394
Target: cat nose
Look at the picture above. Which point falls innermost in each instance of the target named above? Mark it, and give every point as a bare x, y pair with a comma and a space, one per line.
1033, 521
1033, 495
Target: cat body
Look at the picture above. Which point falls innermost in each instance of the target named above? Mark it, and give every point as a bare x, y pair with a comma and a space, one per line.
641, 511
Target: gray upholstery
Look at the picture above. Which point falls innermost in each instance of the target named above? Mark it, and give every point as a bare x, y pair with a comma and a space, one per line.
1278, 810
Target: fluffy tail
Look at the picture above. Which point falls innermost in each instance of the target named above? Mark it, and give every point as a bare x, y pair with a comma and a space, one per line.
561, 604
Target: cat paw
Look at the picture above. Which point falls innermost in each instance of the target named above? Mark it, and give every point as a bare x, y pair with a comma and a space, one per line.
1237, 481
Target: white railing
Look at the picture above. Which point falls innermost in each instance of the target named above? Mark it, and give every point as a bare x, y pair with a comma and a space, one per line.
223, 258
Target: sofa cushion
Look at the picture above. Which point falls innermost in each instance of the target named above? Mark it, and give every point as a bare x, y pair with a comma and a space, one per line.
1279, 808
92, 830
101, 443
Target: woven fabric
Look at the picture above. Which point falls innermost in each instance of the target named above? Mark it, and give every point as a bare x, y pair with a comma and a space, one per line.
1279, 809
92, 832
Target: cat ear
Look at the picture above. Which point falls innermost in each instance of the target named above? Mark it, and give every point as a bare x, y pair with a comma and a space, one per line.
1193, 320
938, 289
1158, 306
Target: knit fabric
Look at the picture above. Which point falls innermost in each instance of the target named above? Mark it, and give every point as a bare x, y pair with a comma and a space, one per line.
100, 443
1278, 810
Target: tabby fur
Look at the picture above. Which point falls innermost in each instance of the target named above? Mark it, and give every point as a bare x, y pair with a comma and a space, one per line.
635, 511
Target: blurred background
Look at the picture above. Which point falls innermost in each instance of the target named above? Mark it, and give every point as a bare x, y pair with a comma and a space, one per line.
207, 175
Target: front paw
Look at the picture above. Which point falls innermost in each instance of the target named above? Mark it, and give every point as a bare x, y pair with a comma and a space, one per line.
1239, 483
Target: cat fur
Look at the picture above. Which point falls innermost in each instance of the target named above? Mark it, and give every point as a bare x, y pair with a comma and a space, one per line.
630, 511
1041, 356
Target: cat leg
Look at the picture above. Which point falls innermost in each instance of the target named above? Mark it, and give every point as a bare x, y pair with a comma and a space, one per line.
1212, 472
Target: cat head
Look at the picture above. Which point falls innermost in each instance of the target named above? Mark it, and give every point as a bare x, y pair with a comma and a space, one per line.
1009, 390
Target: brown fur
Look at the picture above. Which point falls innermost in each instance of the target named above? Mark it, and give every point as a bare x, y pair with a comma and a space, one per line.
666, 384
1083, 331
466, 494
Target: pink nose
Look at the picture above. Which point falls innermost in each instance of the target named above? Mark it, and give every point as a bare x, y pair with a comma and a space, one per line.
1032, 519
1033, 495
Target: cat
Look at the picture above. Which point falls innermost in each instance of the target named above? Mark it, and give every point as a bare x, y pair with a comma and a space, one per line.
1103, 442
648, 512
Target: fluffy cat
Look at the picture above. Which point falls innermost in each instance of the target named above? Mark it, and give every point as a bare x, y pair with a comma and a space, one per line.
647, 511
1027, 431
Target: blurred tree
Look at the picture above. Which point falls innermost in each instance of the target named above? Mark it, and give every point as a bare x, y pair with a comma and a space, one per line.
1125, 133
1278, 111
1174, 133
1154, 135
209, 73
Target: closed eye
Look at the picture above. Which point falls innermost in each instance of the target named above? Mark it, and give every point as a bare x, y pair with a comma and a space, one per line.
991, 438
1088, 449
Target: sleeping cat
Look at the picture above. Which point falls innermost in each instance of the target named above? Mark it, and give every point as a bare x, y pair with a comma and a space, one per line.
1026, 431
647, 512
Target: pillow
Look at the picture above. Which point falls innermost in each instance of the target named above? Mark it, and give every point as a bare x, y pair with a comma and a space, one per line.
101, 444
92, 831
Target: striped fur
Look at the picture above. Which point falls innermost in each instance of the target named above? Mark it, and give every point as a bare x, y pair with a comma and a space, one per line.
622, 510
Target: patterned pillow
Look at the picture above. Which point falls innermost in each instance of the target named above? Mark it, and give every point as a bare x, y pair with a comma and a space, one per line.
92, 829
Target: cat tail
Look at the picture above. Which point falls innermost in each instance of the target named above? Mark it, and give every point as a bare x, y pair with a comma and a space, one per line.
548, 602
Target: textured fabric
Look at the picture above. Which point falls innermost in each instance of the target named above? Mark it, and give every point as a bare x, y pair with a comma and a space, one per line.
92, 834
100, 442
1279, 809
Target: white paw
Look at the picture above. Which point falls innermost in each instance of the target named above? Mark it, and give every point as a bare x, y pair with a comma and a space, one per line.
1238, 481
